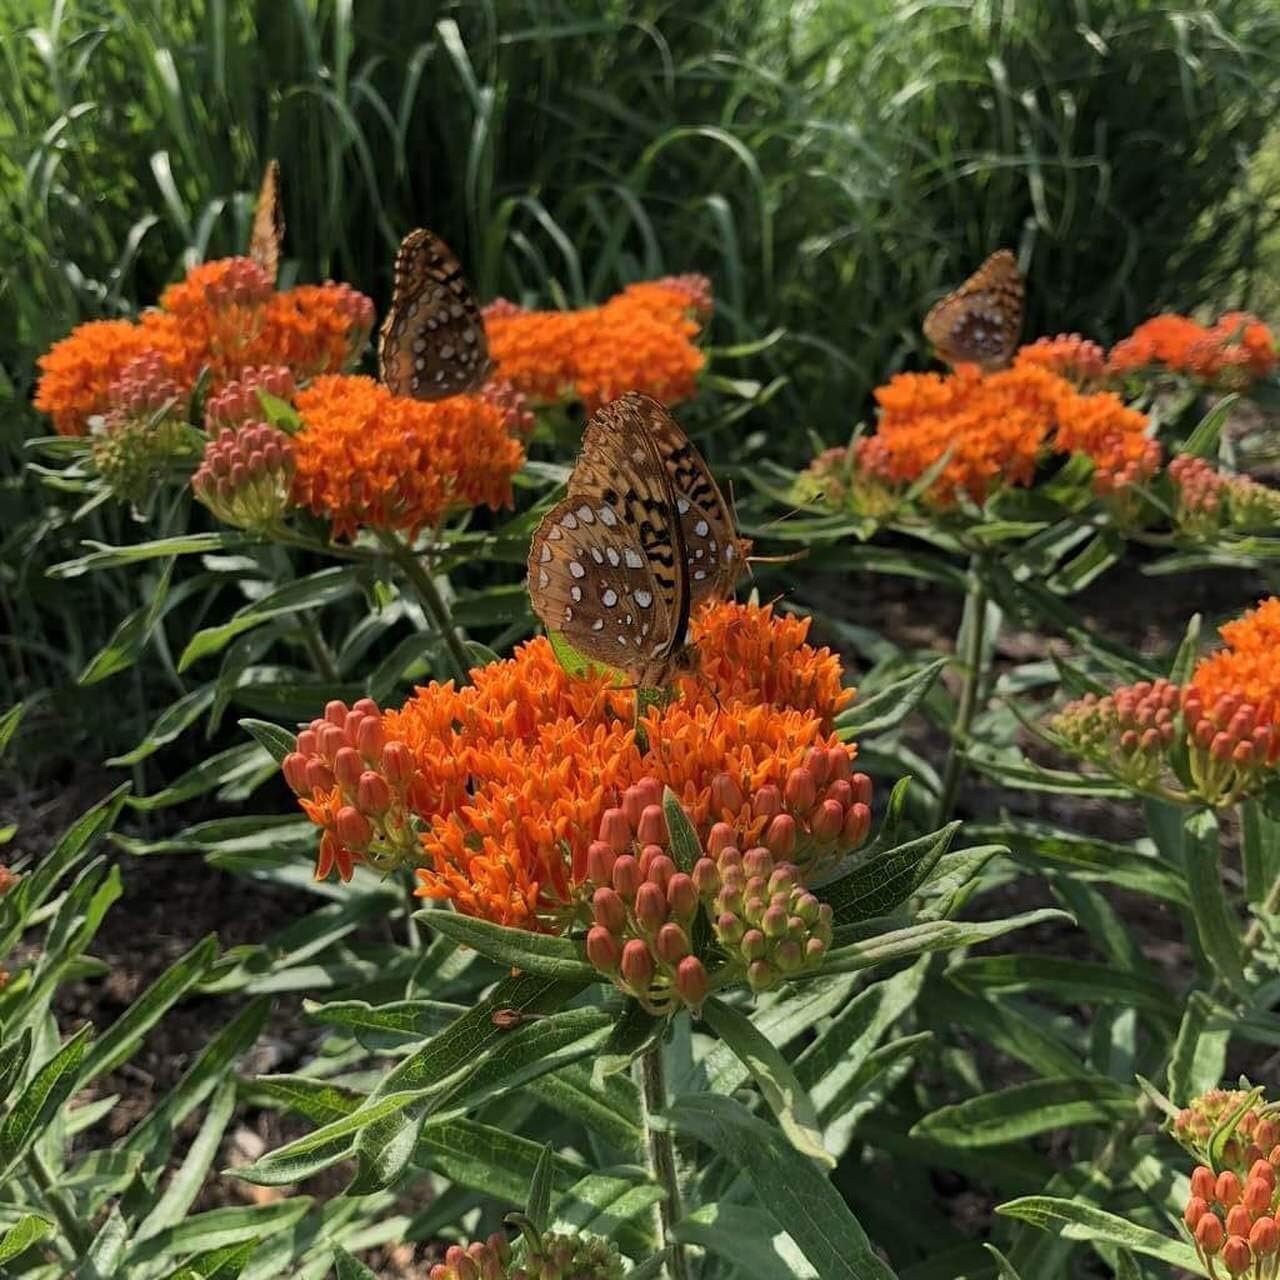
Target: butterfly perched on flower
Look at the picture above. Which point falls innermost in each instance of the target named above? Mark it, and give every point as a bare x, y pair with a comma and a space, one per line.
267, 237
432, 343
643, 536
981, 321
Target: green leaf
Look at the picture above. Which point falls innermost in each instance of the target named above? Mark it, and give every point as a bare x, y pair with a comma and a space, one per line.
634, 1031
101, 1261
219, 1228
22, 1235
13, 1061
1076, 1220
785, 1096
1005, 1266
218, 1264
277, 742
1219, 934
885, 881
888, 707
1023, 1110
1199, 1056
108, 557
1188, 652
36, 1106
349, 1268
168, 725
686, 849
131, 636
574, 662
1077, 981
537, 1204
232, 765
787, 1185
1203, 441
1260, 850
9, 723
538, 953
933, 935
313, 592
751, 1241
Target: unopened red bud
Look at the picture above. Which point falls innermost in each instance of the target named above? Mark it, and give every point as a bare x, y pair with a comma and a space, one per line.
789, 956
706, 878
1227, 1189
1267, 1134
682, 896
319, 776
650, 792
1129, 740
1210, 1234
660, 870
372, 793
347, 768
1239, 1220
1203, 733
1257, 1195
861, 788
1242, 755
1248, 1122
857, 824
633, 805
332, 740
783, 879
626, 875
294, 769
1202, 1183
1236, 1255
1195, 1210
1241, 724
308, 742
841, 792
726, 795
768, 801
1264, 1237
691, 982
827, 821
335, 712
1273, 1156
1261, 1168
814, 950
672, 943
774, 923
782, 835
498, 1243
600, 860
397, 762
602, 949
353, 827
816, 762
754, 945
801, 791
650, 907
729, 859
1253, 1153
729, 929
637, 965
1220, 747
615, 830
370, 738
652, 827
757, 863
1150, 740
608, 909
719, 838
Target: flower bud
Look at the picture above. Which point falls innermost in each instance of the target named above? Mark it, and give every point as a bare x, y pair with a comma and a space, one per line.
633, 806
753, 945
370, 738
781, 835
1227, 1189
729, 929
774, 923
760, 975
1267, 1134
1236, 1256
1257, 1195
600, 860
691, 982
801, 791
660, 870
353, 827
857, 824
768, 801
652, 827
1261, 1168
726, 795
682, 896
602, 949
1195, 1210
637, 965
626, 875
615, 830
672, 943
372, 793
1239, 1220
757, 863
609, 910
650, 907
1264, 1237
347, 768
789, 956
861, 788
294, 769
1209, 1233
1202, 1183
719, 838
397, 762
706, 878
826, 821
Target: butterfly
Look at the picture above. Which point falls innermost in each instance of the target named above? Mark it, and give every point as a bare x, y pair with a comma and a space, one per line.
267, 237
643, 537
432, 343
980, 322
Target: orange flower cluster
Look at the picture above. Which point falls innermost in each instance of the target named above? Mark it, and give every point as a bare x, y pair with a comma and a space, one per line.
225, 316
640, 340
514, 772
1234, 352
1075, 358
366, 457
1248, 669
995, 427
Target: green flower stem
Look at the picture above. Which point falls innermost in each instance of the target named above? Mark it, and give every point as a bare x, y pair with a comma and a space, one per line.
662, 1160
431, 600
78, 1236
313, 641
973, 640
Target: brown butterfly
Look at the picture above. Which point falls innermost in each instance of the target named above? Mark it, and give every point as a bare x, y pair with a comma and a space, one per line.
267, 237
980, 322
643, 536
432, 343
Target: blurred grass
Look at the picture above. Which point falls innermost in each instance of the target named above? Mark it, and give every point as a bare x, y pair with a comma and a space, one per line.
832, 167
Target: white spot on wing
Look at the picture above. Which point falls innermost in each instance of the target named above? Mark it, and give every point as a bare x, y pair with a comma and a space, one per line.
702, 528
598, 625
633, 558
569, 520
575, 594
576, 569
607, 518
614, 558
610, 597
586, 515
699, 574
644, 599
682, 505
545, 554
544, 579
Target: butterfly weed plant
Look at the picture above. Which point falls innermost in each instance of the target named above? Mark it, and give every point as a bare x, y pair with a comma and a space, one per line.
633, 951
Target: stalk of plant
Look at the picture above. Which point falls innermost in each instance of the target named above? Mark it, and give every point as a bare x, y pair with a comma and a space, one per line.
661, 1156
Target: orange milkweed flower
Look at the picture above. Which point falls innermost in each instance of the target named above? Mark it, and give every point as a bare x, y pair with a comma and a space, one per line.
1075, 358
640, 340
76, 373
315, 329
1248, 668
1113, 435
366, 457
1233, 352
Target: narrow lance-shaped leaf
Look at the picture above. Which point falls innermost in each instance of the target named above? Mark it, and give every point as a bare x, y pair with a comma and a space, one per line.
1219, 935
1076, 1220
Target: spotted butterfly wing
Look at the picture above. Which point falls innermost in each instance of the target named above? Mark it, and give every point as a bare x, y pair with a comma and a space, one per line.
717, 555
432, 343
980, 322
267, 237
608, 568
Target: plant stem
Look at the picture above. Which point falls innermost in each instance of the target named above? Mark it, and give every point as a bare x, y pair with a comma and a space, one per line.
78, 1236
431, 599
662, 1159
314, 643
972, 640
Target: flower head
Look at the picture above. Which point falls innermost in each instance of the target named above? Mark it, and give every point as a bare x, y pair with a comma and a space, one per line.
1247, 670
366, 457
246, 476
236, 402
1234, 352
1079, 360
1207, 501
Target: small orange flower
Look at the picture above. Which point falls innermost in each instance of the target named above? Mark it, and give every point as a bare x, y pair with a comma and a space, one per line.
1075, 358
1114, 436
1234, 352
1248, 668
366, 457
315, 329
76, 374
640, 340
